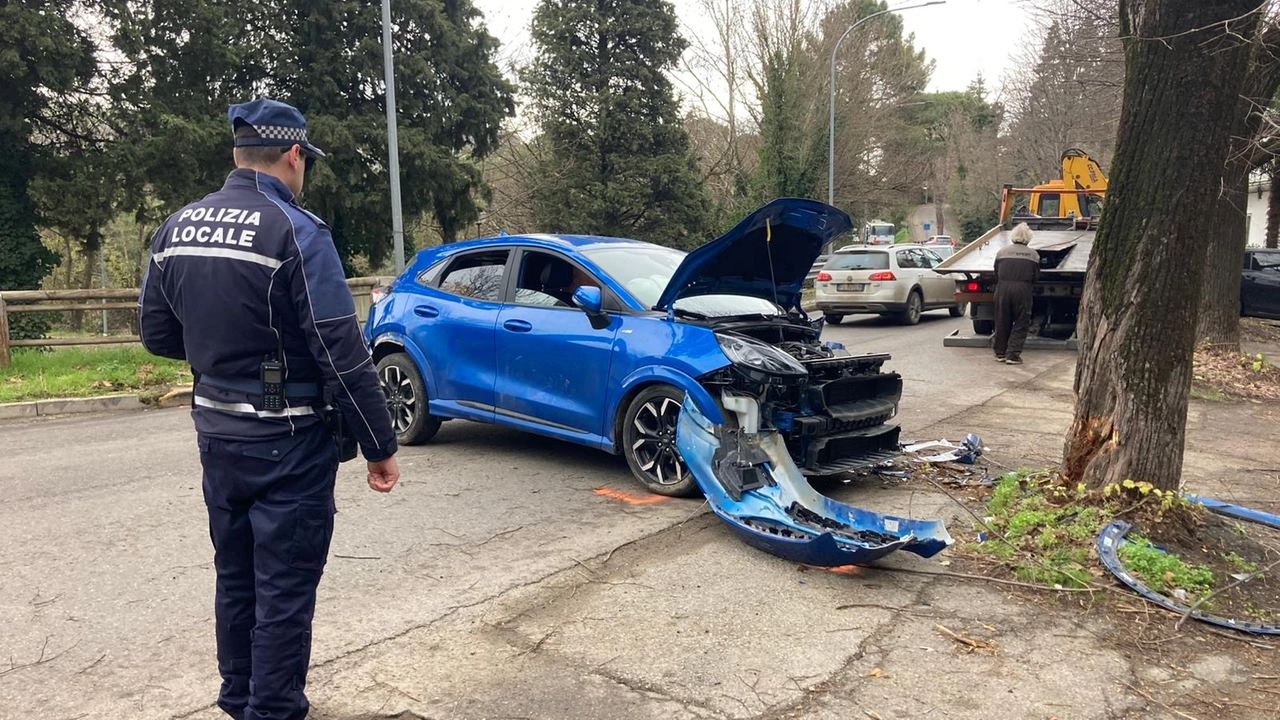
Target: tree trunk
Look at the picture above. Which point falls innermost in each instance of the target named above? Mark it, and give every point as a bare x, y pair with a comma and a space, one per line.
1219, 323
1220, 297
1273, 209
1185, 62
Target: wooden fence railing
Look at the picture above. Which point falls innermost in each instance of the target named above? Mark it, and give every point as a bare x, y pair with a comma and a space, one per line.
110, 299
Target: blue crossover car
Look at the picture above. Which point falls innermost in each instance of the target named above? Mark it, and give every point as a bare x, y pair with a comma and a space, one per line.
600, 341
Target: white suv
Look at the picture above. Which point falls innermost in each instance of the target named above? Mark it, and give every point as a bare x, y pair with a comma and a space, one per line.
896, 280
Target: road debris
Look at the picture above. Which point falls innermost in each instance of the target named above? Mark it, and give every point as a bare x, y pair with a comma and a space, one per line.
966, 643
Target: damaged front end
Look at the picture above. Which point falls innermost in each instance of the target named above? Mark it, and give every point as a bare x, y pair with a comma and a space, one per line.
832, 409
751, 482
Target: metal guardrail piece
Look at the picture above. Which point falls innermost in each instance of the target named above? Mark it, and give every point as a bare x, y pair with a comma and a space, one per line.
817, 266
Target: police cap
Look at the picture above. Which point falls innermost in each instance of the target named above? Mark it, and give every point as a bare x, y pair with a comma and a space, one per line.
276, 123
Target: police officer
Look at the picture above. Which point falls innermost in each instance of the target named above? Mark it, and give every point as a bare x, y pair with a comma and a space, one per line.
247, 287
1017, 267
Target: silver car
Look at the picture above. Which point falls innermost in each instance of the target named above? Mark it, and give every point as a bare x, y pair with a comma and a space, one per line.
897, 280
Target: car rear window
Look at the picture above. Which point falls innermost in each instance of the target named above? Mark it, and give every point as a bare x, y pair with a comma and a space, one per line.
1265, 260
859, 260
478, 276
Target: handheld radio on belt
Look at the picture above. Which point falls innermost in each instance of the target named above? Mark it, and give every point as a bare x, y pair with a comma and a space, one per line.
274, 391
272, 373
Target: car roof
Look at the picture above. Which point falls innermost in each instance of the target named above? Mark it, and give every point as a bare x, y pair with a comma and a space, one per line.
882, 248
550, 241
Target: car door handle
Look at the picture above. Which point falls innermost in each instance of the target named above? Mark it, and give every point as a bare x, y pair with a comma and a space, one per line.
426, 311
517, 326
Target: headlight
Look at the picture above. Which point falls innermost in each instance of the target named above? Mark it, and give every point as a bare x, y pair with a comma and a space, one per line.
755, 355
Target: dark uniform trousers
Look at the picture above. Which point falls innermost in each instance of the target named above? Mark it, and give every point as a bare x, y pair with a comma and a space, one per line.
1013, 317
271, 514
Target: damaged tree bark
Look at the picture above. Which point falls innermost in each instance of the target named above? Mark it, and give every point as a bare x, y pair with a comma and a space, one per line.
1185, 64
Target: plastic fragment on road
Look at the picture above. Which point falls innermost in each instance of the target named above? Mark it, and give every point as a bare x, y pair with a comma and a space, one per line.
754, 486
969, 448
1110, 541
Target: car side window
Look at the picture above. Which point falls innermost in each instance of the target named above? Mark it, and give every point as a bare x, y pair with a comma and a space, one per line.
478, 276
908, 259
549, 280
932, 259
1266, 261
430, 276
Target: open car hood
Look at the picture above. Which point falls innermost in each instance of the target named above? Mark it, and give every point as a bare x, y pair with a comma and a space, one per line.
790, 231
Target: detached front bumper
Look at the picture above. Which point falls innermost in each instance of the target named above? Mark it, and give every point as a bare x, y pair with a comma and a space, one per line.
755, 487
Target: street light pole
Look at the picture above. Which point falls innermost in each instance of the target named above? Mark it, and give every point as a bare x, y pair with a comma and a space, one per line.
831, 129
393, 141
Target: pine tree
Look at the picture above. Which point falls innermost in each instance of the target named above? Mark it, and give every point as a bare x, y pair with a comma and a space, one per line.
619, 161
325, 58
43, 56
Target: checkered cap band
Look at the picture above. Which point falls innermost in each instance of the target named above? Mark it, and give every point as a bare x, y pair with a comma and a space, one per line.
279, 132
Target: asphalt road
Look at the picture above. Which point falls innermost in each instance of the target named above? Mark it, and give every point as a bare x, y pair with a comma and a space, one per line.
106, 599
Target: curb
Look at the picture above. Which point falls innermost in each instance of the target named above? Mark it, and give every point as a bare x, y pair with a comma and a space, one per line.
68, 406
176, 397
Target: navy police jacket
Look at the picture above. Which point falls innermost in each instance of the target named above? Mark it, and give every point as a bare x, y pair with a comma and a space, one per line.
238, 276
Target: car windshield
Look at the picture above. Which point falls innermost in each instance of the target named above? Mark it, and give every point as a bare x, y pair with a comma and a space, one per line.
645, 270
858, 260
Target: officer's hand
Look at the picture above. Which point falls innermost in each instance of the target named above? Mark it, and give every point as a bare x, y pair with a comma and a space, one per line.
384, 474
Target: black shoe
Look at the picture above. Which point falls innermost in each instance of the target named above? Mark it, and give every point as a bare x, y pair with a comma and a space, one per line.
1000, 358
1013, 360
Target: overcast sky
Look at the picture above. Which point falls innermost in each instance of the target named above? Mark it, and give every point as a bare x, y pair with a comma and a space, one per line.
963, 37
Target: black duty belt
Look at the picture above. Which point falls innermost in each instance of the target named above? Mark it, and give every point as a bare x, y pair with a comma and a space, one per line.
302, 392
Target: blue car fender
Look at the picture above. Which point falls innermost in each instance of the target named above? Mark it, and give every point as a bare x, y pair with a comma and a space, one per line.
668, 376
392, 333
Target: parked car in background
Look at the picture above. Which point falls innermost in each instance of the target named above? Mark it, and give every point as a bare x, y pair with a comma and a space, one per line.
943, 245
1260, 284
897, 281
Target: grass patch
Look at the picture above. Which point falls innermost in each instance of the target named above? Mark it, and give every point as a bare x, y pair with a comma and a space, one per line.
1050, 533
1239, 563
1162, 571
85, 372
1210, 394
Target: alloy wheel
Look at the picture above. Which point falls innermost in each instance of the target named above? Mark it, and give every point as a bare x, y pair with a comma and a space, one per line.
402, 402
655, 444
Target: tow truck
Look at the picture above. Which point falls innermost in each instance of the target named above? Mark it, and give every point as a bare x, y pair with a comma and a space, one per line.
1063, 221
1064, 245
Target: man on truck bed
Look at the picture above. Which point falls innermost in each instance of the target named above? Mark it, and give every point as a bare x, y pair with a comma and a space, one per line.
1017, 267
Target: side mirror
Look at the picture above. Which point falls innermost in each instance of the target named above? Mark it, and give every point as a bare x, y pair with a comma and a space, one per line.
589, 299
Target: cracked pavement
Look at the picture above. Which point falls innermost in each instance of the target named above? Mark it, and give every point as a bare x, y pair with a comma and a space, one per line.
497, 582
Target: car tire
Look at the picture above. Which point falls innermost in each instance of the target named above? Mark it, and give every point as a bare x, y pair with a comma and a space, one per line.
915, 306
648, 440
984, 327
833, 319
957, 310
407, 400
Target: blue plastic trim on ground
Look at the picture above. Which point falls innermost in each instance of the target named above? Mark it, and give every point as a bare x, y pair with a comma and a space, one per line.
1109, 542
760, 516
1235, 511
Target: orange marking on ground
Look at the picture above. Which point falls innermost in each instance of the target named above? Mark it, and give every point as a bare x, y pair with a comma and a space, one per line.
847, 569
628, 498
